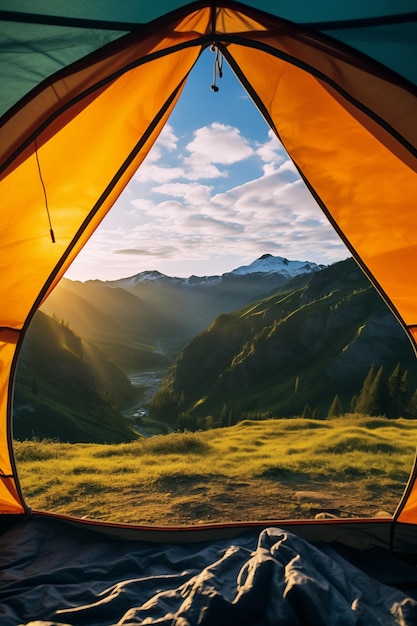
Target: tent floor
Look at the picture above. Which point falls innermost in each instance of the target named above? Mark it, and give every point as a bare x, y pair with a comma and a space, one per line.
56, 572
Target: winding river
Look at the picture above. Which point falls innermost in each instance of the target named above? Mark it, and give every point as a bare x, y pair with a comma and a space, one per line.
148, 383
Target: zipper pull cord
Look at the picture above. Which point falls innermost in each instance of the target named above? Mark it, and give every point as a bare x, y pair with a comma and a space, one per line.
51, 231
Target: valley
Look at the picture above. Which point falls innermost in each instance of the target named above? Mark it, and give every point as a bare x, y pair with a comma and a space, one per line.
154, 353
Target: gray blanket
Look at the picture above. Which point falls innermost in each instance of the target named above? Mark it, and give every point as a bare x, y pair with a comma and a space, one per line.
257, 579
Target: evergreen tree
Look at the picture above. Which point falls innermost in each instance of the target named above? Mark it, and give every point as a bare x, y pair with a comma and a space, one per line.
398, 392
382, 396
405, 393
412, 405
353, 403
224, 416
336, 408
232, 418
306, 411
394, 392
363, 402
377, 398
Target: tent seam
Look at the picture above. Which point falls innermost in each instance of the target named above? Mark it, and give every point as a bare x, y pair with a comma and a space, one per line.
364, 22
317, 74
202, 41
73, 22
104, 51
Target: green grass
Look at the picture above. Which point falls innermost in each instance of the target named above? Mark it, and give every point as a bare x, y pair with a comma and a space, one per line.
274, 469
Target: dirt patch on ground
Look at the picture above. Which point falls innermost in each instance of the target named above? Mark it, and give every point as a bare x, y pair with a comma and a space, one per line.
197, 500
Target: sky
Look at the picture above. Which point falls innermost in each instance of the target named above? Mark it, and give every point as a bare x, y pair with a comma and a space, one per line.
217, 191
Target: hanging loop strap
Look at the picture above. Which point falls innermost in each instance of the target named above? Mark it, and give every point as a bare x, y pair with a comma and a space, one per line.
217, 68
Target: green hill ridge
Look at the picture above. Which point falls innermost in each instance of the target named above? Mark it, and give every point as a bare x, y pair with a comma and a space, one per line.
287, 354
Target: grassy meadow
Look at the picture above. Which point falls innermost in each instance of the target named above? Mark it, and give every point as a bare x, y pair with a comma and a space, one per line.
349, 466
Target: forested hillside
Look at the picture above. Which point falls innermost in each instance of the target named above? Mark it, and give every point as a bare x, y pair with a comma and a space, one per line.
291, 353
67, 389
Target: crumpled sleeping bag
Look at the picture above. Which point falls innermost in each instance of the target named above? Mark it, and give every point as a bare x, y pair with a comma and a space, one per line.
256, 579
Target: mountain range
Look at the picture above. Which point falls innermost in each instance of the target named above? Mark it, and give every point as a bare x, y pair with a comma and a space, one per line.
275, 337
143, 321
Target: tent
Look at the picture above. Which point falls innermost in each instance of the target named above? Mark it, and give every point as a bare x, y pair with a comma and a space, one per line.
86, 87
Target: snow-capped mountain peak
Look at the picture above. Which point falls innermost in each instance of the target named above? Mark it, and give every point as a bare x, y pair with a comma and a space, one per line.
132, 281
269, 264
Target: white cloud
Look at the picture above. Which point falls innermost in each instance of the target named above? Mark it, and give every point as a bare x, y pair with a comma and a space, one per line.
213, 225
198, 169
271, 153
150, 172
196, 224
162, 252
219, 143
164, 211
213, 146
167, 138
144, 204
192, 193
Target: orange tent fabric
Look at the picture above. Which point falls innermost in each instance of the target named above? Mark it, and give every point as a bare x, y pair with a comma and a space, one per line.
71, 145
